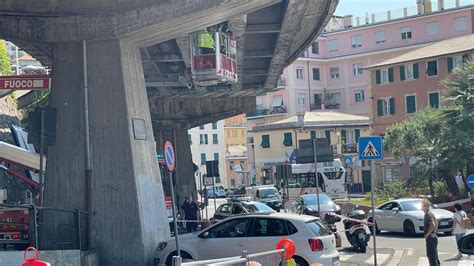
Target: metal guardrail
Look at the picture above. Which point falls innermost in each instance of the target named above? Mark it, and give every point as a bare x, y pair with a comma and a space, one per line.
267, 258
65, 229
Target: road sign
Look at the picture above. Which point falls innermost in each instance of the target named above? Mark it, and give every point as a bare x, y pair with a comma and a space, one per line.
170, 157
348, 160
470, 181
26, 82
370, 148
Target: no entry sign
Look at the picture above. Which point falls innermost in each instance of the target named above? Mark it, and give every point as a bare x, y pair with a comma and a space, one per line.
27, 82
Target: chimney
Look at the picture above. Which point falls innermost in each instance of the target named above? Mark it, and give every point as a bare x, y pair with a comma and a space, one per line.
421, 9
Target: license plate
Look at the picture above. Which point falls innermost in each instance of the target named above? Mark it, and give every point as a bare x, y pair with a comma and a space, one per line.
444, 223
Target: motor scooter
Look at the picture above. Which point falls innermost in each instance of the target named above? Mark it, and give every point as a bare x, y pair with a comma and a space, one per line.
355, 231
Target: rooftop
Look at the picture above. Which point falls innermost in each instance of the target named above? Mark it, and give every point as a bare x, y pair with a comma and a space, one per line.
320, 119
445, 47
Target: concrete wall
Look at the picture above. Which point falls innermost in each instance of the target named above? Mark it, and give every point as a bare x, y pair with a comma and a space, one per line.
54, 257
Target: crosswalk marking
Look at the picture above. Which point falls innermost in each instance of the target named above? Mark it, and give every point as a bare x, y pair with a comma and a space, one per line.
381, 258
423, 261
397, 257
345, 257
465, 263
410, 252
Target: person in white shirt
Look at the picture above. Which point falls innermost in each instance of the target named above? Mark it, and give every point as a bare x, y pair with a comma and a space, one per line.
458, 230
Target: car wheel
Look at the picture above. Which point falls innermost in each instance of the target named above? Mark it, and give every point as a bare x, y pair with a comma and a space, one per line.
184, 256
408, 228
300, 261
371, 228
363, 248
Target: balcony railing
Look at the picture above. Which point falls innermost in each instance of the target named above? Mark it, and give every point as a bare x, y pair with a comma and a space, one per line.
271, 111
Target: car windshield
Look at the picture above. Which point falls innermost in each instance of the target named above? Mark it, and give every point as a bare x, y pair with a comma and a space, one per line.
257, 207
313, 199
268, 193
413, 205
318, 228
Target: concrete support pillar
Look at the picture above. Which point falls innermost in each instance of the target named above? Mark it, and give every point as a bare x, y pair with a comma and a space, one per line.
128, 209
184, 181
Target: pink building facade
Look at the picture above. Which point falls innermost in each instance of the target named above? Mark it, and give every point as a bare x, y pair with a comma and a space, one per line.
331, 75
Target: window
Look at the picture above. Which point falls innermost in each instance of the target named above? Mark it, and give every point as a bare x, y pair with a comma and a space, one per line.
259, 103
335, 101
201, 127
265, 141
214, 139
214, 125
288, 139
386, 106
316, 74
410, 104
216, 156
232, 183
384, 76
405, 32
433, 98
317, 134
432, 28
203, 139
380, 37
299, 73
457, 61
356, 41
409, 72
334, 72
432, 68
301, 99
460, 23
269, 227
315, 48
277, 100
203, 159
359, 96
332, 45
357, 69
231, 165
230, 228
190, 139
317, 98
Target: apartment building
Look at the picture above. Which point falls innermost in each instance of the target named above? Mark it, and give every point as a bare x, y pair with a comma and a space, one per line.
408, 83
331, 74
275, 143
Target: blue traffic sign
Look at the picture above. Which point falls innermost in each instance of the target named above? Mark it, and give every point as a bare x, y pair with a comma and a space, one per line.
348, 160
370, 148
470, 181
170, 157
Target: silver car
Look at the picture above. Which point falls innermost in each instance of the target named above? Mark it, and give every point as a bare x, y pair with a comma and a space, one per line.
406, 216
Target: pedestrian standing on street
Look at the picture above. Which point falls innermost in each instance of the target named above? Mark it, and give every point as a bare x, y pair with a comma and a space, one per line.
458, 228
430, 226
191, 210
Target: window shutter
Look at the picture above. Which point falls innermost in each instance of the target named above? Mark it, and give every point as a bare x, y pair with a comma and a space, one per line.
434, 100
380, 107
390, 74
377, 77
450, 64
392, 106
357, 135
328, 135
411, 104
313, 134
465, 57
402, 72
343, 136
415, 70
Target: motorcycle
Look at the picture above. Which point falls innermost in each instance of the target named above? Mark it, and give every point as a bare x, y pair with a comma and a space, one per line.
355, 231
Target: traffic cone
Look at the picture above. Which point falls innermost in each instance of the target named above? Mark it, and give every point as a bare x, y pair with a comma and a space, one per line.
35, 260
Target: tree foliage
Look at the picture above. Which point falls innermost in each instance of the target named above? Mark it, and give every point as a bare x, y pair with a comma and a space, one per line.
5, 65
440, 139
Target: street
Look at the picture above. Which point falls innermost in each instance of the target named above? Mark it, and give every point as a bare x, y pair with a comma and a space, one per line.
392, 248
397, 249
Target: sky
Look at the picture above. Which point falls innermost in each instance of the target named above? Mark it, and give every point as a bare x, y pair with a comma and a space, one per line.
359, 8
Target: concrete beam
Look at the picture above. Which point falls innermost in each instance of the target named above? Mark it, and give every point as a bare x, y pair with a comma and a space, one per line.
258, 53
146, 26
263, 28
238, 26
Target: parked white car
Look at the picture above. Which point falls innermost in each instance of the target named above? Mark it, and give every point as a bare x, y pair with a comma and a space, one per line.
406, 216
256, 233
219, 192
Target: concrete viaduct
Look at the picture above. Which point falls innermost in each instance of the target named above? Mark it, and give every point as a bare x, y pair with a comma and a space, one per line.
139, 95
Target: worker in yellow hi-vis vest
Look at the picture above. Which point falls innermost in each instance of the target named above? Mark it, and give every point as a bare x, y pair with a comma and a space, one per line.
206, 42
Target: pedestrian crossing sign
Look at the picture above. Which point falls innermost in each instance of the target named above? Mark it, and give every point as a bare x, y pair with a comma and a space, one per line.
370, 148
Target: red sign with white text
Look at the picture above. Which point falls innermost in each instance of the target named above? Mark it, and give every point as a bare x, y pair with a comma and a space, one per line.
26, 82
